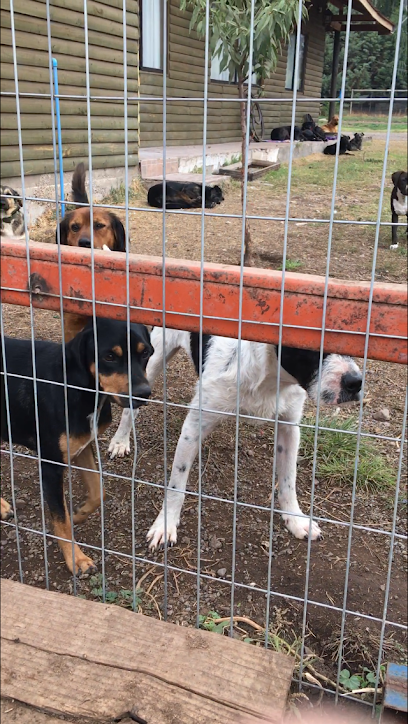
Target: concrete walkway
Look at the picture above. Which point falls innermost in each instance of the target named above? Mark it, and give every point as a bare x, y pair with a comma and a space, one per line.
188, 160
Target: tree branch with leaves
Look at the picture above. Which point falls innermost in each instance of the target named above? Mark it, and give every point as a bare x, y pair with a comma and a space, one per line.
229, 40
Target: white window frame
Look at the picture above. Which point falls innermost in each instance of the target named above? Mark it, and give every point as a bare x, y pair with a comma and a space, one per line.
290, 63
152, 35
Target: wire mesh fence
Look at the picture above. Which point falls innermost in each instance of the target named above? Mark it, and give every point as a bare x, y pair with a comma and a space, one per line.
336, 604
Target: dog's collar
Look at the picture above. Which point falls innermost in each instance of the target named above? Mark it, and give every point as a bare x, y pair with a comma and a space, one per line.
7, 219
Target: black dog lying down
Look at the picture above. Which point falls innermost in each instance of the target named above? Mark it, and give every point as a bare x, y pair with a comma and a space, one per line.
355, 144
308, 132
185, 195
282, 133
343, 147
55, 447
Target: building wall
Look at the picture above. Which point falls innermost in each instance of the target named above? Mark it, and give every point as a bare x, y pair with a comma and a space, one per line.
185, 78
68, 46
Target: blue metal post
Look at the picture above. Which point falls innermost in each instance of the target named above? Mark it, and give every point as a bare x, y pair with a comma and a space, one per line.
58, 114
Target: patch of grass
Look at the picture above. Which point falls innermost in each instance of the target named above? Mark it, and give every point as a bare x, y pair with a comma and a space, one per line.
117, 195
336, 453
235, 158
123, 597
361, 170
291, 265
367, 122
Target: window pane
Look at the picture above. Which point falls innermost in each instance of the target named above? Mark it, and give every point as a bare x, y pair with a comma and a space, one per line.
152, 34
301, 61
215, 67
290, 64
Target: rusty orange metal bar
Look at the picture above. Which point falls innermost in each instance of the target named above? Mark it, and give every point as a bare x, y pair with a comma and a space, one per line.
347, 306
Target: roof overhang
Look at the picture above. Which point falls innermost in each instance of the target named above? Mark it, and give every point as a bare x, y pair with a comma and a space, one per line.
364, 17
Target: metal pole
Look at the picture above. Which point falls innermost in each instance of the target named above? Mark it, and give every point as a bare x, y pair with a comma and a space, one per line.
58, 114
335, 69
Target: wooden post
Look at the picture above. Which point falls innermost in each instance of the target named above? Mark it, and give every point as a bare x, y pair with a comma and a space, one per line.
335, 70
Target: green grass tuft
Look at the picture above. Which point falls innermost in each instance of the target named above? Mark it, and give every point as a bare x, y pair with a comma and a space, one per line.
336, 454
291, 264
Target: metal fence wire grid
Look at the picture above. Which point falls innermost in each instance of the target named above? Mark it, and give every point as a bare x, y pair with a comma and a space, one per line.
323, 579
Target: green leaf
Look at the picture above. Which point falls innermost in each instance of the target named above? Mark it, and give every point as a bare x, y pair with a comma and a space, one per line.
97, 592
111, 597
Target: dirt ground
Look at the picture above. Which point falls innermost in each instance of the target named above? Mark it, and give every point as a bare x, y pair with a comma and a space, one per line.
369, 550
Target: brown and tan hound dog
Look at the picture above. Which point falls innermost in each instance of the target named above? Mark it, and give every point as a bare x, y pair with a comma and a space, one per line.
75, 230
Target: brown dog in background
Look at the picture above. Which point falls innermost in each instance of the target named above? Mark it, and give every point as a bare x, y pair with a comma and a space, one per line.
75, 230
332, 126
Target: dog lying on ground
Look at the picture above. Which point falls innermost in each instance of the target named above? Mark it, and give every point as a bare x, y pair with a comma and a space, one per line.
340, 383
332, 126
12, 216
282, 133
399, 202
55, 447
356, 142
312, 135
75, 230
344, 146
181, 195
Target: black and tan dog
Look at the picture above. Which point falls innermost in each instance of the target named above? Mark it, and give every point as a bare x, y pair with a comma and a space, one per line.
75, 230
12, 216
399, 202
185, 195
75, 227
55, 447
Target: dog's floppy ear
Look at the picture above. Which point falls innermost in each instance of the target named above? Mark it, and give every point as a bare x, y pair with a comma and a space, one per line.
395, 177
64, 228
119, 231
82, 347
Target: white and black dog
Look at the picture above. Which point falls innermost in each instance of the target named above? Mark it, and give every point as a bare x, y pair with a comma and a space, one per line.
12, 216
399, 202
340, 382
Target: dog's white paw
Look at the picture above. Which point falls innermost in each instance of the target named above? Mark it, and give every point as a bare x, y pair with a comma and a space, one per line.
119, 447
299, 527
155, 536
393, 246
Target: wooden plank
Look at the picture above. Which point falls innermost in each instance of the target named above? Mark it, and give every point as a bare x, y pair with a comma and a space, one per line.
347, 301
38, 120
60, 30
34, 153
76, 657
16, 713
396, 690
10, 169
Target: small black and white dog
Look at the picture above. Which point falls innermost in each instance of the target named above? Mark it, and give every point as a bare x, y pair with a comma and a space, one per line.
12, 216
340, 383
399, 202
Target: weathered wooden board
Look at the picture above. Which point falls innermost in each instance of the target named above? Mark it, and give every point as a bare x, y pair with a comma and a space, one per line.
69, 656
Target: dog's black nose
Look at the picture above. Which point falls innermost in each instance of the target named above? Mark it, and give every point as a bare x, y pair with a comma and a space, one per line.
352, 382
143, 390
86, 243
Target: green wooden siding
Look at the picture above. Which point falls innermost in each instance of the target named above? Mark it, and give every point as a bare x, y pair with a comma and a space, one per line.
105, 36
185, 78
